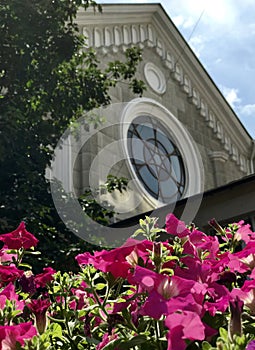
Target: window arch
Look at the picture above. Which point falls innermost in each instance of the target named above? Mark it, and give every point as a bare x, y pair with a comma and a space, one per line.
161, 154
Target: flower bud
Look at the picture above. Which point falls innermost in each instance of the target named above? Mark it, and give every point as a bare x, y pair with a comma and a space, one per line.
235, 322
39, 308
214, 223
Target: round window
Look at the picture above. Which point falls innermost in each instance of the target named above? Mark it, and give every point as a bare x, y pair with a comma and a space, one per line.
156, 159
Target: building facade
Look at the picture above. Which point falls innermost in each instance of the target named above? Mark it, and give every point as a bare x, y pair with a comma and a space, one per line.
179, 139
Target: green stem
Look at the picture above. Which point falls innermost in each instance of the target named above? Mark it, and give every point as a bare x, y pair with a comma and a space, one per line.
157, 332
106, 295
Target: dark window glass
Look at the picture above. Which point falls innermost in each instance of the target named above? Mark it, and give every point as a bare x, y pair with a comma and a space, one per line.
156, 159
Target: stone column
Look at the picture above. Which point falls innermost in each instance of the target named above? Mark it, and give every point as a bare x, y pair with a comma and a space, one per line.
219, 159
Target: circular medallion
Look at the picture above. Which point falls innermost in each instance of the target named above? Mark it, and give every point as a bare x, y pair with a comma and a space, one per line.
155, 78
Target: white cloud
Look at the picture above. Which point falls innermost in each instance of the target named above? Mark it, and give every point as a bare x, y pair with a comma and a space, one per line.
251, 28
231, 95
221, 11
218, 60
197, 44
248, 110
178, 20
183, 22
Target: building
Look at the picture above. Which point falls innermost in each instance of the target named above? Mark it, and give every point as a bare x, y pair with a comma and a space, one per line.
178, 141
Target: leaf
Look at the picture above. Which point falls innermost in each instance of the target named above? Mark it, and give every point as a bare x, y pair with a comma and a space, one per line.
137, 232
113, 345
206, 346
100, 286
135, 341
56, 330
27, 266
223, 333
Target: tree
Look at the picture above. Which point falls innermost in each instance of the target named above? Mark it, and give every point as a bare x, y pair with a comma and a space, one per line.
47, 80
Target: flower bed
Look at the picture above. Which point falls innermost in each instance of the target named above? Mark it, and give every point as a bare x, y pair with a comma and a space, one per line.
193, 291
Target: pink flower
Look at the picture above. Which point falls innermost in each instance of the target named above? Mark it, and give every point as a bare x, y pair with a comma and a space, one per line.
27, 283
196, 270
235, 322
9, 273
176, 227
10, 335
250, 345
166, 286
186, 303
81, 299
8, 293
45, 277
19, 238
163, 289
4, 256
107, 338
183, 325
247, 255
247, 294
39, 308
220, 297
244, 232
117, 261
146, 279
204, 243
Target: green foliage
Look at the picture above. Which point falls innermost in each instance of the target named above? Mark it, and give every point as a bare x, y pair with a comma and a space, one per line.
148, 228
48, 78
223, 342
116, 183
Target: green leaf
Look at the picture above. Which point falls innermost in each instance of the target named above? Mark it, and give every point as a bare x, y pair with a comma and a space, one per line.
112, 345
206, 346
223, 333
133, 342
56, 330
27, 266
100, 286
137, 232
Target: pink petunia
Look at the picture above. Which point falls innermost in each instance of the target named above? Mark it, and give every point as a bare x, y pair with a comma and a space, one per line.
5, 257
10, 335
81, 299
27, 283
45, 277
247, 294
204, 243
250, 345
19, 238
166, 286
247, 255
183, 325
162, 290
9, 273
8, 293
107, 338
220, 298
39, 308
176, 227
118, 260
244, 232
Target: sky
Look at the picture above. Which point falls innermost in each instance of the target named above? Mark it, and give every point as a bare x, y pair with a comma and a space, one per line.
222, 35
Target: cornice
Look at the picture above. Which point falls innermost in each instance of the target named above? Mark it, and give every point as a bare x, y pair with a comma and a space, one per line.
147, 25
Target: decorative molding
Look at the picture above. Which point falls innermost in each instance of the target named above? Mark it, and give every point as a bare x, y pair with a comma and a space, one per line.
155, 78
114, 38
219, 156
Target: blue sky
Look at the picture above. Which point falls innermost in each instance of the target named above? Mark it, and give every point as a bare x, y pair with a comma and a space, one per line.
224, 41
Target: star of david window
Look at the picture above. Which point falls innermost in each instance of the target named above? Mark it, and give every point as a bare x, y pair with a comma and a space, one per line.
156, 159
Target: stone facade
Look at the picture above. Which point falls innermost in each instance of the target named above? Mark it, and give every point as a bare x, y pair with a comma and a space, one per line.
214, 145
